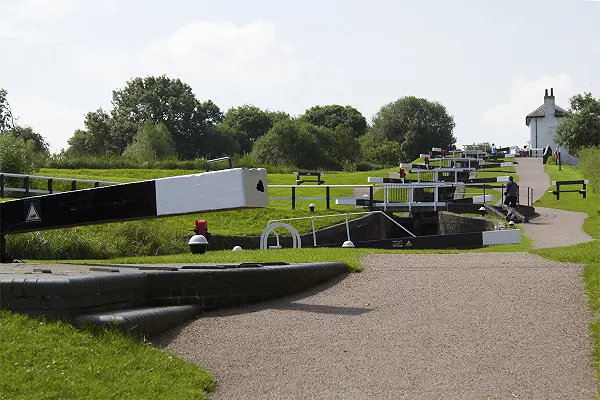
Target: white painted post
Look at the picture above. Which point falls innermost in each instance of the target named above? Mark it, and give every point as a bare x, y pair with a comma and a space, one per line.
312, 220
347, 227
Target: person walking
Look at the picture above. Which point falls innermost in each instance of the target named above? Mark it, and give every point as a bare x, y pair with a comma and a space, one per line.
511, 194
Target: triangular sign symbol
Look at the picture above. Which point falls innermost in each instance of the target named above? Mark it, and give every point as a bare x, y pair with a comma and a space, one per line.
408, 244
32, 214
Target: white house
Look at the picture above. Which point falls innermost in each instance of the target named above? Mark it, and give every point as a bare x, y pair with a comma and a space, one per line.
543, 122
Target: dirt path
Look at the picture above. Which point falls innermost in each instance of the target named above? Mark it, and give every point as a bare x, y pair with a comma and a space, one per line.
419, 326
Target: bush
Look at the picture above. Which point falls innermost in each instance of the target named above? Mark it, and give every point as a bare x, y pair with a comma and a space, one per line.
16, 155
379, 150
589, 163
365, 166
152, 143
63, 161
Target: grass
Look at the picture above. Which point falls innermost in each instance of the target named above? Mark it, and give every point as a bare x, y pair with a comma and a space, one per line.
584, 253
166, 236
54, 360
169, 235
107, 358
350, 257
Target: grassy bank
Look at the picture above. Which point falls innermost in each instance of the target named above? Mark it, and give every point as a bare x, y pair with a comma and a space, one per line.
583, 253
54, 360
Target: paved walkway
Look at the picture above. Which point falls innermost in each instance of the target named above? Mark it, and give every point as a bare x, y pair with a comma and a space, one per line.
415, 326
418, 326
552, 228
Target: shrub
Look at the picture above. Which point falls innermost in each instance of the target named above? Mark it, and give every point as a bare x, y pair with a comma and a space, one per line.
589, 163
16, 155
152, 143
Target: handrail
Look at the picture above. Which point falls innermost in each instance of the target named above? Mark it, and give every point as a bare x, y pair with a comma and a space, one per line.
214, 160
10, 175
312, 217
313, 186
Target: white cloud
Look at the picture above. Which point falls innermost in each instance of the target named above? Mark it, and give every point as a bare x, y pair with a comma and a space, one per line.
31, 21
526, 96
227, 63
249, 56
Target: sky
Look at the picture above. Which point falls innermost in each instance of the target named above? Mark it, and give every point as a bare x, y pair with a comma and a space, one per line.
487, 62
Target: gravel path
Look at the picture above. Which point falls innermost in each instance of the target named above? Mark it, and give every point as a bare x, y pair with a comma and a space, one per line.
415, 326
552, 228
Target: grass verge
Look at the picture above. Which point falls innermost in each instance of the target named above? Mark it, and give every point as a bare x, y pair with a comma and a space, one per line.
54, 360
584, 253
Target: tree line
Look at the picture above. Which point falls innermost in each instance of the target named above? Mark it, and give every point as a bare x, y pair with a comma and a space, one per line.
158, 118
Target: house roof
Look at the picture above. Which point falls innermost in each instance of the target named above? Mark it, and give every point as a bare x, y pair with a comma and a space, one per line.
539, 113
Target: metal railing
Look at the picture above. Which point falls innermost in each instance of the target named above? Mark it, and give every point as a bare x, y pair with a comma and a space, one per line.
28, 189
327, 188
216, 160
276, 223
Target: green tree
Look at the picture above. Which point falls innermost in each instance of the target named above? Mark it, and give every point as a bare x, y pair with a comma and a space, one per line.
249, 123
379, 151
338, 147
99, 137
581, 125
222, 141
16, 155
289, 143
7, 121
332, 116
416, 124
166, 100
152, 143
278, 116
28, 135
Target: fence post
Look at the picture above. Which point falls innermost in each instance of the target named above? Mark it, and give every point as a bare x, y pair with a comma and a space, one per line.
96, 184
559, 163
557, 191
73, 185
293, 198
371, 198
530, 197
327, 195
26, 184
1, 185
3, 255
230, 163
584, 189
50, 185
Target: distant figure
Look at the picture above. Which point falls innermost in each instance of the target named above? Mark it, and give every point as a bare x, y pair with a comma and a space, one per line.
511, 193
493, 150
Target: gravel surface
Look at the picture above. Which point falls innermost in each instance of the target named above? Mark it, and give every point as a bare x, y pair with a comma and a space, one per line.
553, 228
415, 326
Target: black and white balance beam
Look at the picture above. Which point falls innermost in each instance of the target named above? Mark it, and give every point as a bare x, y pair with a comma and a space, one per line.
414, 166
483, 180
496, 165
209, 191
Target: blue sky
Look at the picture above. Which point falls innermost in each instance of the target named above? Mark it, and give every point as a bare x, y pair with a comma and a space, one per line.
487, 62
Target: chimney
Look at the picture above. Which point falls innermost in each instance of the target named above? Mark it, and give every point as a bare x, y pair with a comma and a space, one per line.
549, 104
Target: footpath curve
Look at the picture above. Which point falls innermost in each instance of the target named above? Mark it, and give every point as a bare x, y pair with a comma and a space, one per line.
552, 227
